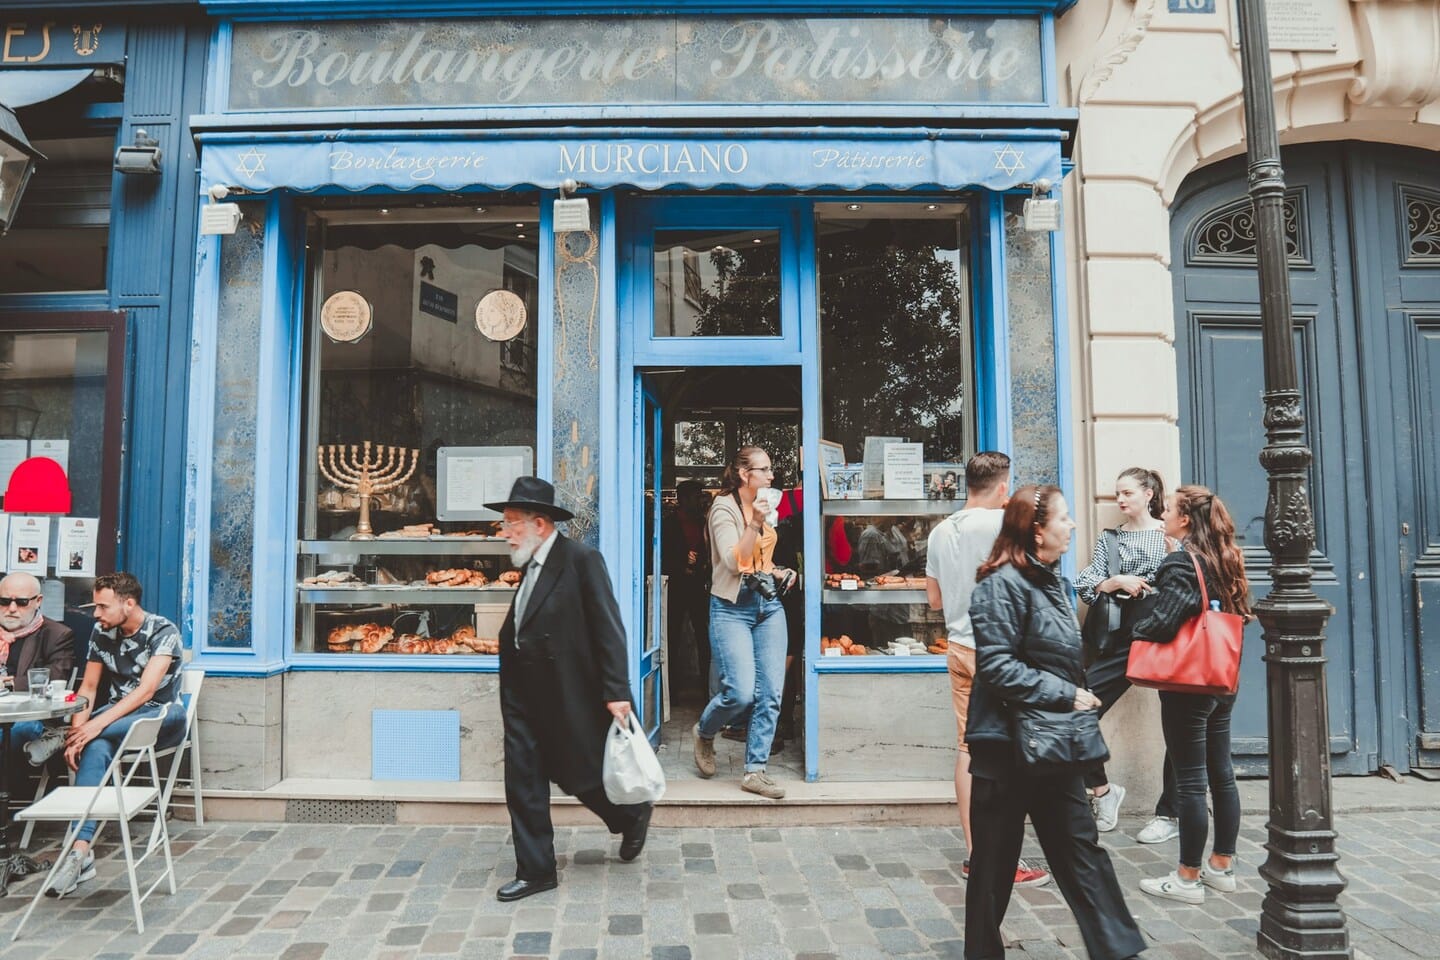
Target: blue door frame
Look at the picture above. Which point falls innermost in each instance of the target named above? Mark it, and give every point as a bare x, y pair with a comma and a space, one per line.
647, 439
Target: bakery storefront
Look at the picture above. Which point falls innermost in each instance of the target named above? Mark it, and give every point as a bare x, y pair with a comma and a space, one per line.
606, 249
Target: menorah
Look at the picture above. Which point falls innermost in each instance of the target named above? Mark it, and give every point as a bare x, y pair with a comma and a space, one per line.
353, 469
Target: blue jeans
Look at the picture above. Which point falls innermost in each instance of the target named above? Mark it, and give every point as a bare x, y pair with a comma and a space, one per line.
95, 758
747, 645
1197, 737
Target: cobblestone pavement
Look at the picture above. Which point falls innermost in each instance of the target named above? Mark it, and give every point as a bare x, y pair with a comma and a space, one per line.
295, 892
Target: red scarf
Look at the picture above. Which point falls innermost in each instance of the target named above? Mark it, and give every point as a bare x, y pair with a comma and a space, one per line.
7, 638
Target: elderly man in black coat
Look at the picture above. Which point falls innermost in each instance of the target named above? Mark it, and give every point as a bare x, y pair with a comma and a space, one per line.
564, 674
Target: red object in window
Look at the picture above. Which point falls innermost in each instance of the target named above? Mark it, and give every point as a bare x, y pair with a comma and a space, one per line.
38, 485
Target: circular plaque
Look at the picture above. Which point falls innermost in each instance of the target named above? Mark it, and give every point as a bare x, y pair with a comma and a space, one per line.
346, 316
500, 315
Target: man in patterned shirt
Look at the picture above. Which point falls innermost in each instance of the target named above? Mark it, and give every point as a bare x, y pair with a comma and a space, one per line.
137, 655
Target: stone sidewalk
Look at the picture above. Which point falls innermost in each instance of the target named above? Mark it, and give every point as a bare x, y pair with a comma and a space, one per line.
298, 891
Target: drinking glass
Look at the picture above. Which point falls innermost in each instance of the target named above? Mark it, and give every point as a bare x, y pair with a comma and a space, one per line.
39, 679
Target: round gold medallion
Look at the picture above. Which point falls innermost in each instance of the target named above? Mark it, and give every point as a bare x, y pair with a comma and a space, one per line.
500, 315
346, 316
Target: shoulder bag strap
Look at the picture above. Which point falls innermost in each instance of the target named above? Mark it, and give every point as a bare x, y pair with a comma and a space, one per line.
1200, 575
1112, 553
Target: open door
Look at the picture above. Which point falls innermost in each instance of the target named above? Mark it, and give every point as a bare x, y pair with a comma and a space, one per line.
647, 442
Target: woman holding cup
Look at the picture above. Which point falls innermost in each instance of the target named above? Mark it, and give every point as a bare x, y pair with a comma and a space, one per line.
747, 621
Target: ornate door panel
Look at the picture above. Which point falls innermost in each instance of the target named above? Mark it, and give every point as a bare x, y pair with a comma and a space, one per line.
1217, 342
1363, 228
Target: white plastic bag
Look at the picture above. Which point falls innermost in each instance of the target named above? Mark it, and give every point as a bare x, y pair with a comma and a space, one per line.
632, 772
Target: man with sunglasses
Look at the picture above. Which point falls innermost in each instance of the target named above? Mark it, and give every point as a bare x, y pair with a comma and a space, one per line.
29, 639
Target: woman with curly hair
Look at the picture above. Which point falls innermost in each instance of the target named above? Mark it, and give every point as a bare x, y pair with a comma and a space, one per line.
1197, 726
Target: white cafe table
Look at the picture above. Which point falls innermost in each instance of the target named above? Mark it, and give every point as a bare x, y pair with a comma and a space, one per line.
16, 708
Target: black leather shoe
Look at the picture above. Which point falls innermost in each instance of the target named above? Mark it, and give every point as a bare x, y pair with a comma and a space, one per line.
634, 839
520, 889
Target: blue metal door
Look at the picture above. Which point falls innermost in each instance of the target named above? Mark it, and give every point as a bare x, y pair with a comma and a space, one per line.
1363, 232
647, 546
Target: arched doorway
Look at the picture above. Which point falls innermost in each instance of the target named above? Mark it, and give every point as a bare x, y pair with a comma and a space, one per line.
1363, 234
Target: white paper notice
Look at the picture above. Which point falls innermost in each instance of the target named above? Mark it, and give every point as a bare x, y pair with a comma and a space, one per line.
57, 450
471, 482
12, 452
75, 555
52, 599
29, 545
875, 464
905, 471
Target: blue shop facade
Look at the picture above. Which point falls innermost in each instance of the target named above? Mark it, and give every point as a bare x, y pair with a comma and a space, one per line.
94, 309
607, 246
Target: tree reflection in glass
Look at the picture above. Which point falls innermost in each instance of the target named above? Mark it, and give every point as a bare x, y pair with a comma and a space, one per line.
895, 325
717, 283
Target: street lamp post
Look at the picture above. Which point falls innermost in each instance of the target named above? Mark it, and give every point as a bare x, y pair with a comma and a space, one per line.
1300, 916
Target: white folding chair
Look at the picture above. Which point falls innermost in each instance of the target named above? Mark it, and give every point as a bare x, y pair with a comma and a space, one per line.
190, 682
39, 792
115, 798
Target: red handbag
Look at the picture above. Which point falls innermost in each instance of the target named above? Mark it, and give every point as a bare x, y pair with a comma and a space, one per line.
1204, 657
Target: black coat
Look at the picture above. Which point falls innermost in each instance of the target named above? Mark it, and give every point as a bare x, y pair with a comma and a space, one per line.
570, 661
53, 646
1027, 649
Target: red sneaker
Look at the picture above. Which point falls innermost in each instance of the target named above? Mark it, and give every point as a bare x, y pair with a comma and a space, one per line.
1028, 876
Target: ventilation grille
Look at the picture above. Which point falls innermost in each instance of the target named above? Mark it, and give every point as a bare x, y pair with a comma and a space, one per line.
340, 811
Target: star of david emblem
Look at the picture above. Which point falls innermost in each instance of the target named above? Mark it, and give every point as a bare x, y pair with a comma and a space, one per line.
1009, 159
252, 161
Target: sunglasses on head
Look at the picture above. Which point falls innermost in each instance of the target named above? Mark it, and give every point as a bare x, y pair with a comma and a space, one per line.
17, 601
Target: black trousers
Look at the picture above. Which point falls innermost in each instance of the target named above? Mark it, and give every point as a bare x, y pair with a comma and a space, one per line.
1060, 813
527, 795
689, 602
1197, 735
1106, 679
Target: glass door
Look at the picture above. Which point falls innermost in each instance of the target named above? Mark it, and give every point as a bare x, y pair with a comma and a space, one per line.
652, 696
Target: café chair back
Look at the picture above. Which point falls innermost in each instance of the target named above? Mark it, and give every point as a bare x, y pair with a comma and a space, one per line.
117, 799
190, 683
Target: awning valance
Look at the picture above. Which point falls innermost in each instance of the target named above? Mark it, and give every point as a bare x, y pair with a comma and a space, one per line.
21, 87
647, 160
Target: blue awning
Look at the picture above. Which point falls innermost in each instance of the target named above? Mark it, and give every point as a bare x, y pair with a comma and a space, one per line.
701, 159
21, 87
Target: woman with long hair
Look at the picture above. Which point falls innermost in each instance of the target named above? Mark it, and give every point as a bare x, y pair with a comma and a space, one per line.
1197, 726
747, 619
1027, 650
1135, 549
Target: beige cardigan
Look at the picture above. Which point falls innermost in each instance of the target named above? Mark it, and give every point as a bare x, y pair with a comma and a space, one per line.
727, 525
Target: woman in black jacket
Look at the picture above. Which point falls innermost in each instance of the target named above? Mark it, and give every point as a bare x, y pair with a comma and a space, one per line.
1197, 726
1027, 651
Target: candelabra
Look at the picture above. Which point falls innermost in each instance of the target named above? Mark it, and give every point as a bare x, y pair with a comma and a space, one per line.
356, 470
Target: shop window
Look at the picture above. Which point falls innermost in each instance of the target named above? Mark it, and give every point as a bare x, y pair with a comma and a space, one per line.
717, 283
61, 237
897, 367
420, 344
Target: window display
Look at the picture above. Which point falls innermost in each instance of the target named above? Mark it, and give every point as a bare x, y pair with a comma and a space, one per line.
420, 387
896, 337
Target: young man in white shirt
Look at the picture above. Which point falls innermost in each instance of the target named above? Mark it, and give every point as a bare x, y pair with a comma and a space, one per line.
958, 545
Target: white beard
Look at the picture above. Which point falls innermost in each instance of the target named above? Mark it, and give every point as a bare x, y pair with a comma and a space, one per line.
519, 556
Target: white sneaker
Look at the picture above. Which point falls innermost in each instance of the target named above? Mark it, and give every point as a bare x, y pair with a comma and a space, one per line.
73, 872
1159, 830
1222, 880
1173, 887
1107, 808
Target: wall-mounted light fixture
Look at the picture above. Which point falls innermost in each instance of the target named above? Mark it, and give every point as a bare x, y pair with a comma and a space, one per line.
17, 163
141, 158
1042, 212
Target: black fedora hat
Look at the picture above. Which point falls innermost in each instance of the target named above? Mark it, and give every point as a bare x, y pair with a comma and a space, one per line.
535, 495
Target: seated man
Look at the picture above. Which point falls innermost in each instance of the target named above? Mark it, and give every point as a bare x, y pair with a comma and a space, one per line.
138, 653
29, 640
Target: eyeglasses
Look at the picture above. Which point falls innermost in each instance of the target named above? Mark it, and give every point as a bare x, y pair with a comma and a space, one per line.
513, 524
17, 601
769, 470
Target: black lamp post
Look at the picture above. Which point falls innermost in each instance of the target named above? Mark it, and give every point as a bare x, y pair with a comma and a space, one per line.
1300, 916
17, 162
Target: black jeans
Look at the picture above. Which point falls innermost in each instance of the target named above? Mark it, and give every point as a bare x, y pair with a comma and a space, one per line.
1060, 812
1106, 679
1197, 736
